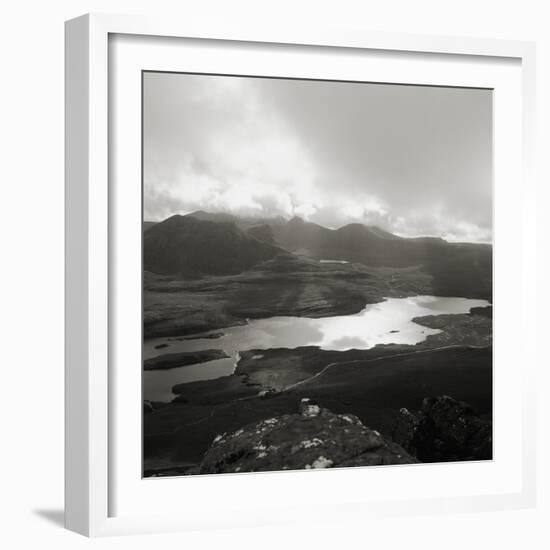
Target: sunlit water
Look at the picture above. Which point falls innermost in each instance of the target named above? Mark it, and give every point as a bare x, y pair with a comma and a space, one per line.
333, 262
388, 322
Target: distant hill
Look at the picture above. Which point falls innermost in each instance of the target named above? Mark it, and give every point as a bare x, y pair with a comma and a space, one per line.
353, 242
186, 245
298, 234
457, 269
263, 233
148, 225
217, 243
242, 222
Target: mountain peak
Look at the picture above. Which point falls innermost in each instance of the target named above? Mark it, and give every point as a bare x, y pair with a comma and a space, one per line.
379, 232
355, 228
175, 218
189, 244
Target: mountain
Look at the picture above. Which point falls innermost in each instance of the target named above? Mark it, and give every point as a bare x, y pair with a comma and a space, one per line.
300, 236
186, 245
457, 269
242, 222
148, 225
221, 244
263, 233
353, 242
213, 216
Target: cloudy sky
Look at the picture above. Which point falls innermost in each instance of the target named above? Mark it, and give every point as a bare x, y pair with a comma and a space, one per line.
413, 160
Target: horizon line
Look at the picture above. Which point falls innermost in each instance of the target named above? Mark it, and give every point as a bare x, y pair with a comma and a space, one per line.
288, 219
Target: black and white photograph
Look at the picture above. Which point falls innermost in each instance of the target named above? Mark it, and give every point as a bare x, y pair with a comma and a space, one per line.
252, 255
317, 282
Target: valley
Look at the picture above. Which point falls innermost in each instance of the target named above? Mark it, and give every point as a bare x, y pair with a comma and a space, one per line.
204, 286
209, 272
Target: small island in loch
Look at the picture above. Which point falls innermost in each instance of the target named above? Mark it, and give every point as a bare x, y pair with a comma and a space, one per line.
288, 327
317, 274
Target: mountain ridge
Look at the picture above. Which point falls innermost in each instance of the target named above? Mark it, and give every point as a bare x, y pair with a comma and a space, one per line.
202, 243
183, 245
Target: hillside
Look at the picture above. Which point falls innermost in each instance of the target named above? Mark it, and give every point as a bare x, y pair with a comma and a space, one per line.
242, 222
147, 225
222, 244
185, 245
457, 269
374, 385
369, 245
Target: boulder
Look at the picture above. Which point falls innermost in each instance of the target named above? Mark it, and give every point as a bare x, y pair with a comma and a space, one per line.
444, 430
313, 438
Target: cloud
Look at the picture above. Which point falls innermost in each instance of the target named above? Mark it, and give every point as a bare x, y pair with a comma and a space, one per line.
219, 149
414, 160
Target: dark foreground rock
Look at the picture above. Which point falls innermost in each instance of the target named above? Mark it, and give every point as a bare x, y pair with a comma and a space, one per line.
175, 360
444, 430
373, 385
314, 438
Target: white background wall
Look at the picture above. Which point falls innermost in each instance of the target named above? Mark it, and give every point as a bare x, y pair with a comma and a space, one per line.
31, 252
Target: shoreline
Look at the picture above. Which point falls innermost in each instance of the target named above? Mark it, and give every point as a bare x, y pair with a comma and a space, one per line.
185, 307
373, 384
472, 329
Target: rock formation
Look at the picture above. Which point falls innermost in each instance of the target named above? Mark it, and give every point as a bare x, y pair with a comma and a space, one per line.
444, 430
314, 438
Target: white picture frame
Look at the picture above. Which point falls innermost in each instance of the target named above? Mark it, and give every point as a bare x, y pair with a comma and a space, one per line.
91, 222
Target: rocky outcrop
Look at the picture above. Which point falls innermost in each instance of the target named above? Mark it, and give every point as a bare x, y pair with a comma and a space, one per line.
444, 430
313, 438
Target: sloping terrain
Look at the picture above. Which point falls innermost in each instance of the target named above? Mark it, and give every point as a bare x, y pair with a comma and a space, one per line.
204, 243
458, 269
184, 245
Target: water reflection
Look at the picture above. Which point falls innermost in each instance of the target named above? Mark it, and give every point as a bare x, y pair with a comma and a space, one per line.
333, 262
383, 323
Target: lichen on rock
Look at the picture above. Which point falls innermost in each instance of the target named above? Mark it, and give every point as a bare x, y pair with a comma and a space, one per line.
314, 438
